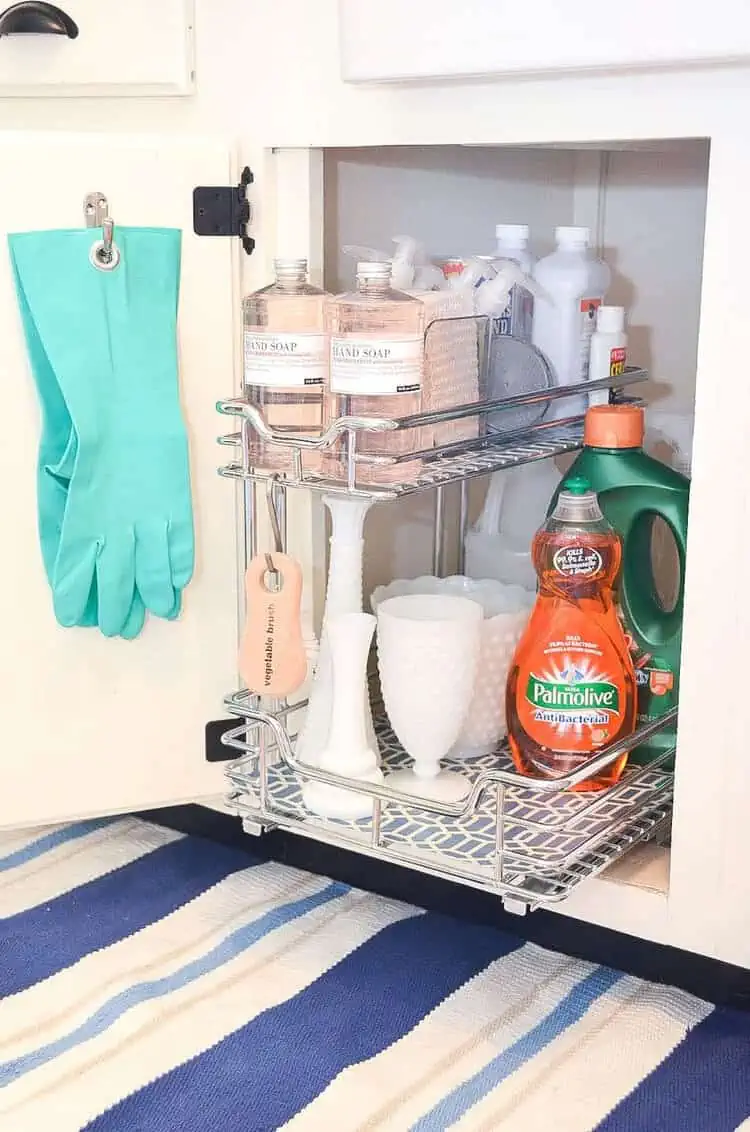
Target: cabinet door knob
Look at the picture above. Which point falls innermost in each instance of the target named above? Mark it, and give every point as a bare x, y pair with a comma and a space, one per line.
34, 17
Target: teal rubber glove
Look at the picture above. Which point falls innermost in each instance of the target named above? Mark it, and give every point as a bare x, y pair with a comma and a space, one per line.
56, 457
110, 339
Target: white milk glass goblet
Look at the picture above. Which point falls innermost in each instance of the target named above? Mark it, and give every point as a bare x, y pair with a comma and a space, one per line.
428, 648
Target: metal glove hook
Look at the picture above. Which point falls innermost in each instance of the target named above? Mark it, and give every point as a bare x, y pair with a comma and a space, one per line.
104, 254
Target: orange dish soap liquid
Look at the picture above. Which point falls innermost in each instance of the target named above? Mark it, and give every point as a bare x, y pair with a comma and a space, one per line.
571, 687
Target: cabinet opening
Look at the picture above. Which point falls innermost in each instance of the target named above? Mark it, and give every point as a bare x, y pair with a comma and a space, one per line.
644, 204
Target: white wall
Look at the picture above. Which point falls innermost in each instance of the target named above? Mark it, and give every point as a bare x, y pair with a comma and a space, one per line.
653, 236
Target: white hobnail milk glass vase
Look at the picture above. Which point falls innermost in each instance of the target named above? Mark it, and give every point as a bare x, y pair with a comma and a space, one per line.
343, 596
506, 611
347, 750
428, 649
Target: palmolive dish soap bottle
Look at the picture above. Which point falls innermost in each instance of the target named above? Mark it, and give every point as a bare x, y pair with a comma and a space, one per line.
571, 687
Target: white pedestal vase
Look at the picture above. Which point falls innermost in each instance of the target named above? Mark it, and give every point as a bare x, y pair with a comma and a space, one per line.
343, 596
347, 751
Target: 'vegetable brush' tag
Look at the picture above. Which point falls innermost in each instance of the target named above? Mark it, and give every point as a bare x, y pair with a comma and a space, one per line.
272, 658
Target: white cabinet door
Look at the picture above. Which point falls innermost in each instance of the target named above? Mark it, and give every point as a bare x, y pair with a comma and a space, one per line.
426, 39
138, 47
89, 725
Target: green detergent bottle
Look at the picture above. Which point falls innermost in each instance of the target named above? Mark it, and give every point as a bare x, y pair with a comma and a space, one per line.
634, 490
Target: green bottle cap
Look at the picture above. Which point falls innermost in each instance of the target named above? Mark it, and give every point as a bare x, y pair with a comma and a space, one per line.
577, 485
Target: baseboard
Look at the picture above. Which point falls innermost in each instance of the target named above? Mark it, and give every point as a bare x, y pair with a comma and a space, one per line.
710, 979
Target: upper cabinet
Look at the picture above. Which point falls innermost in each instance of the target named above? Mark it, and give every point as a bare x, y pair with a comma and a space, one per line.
86, 47
429, 39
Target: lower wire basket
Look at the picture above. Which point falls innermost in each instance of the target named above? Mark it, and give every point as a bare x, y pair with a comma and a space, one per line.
530, 843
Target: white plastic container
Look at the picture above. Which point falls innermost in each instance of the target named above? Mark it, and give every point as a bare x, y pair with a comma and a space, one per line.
609, 350
516, 315
575, 283
499, 545
669, 438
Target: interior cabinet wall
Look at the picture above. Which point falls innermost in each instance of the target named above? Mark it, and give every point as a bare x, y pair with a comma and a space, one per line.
653, 229
448, 197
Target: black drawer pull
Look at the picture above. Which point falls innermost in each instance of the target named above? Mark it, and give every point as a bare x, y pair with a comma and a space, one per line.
34, 17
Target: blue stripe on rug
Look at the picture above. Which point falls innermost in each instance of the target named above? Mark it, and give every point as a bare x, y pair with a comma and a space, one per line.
260, 1076
238, 941
43, 940
703, 1085
51, 841
566, 1013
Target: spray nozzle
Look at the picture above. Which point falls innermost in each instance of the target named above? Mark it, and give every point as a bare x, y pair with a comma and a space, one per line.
411, 268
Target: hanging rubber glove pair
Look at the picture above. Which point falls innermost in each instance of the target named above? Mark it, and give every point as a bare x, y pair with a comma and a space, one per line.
114, 502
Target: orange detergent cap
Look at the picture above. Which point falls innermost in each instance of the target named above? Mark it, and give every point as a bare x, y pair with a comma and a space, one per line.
614, 426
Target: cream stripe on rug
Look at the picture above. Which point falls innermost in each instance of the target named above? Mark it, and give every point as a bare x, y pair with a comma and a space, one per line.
11, 840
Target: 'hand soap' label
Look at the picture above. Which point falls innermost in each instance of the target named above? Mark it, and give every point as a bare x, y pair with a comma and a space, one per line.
571, 695
284, 361
362, 367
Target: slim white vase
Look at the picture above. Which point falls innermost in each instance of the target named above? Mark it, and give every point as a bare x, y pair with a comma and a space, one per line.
347, 750
343, 596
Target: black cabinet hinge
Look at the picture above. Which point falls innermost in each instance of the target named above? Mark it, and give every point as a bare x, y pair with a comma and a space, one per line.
224, 210
216, 752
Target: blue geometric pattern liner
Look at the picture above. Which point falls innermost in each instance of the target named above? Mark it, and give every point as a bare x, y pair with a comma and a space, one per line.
542, 834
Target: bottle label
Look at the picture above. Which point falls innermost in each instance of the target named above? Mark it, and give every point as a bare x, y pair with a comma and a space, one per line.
589, 307
654, 678
617, 361
578, 561
518, 316
571, 694
284, 361
373, 366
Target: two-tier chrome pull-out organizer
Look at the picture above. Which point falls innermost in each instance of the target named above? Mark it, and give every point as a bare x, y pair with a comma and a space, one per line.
531, 842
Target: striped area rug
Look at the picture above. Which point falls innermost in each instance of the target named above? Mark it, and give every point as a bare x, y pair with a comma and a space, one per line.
159, 983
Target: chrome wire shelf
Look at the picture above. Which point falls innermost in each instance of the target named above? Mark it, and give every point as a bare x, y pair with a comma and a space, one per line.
435, 467
529, 841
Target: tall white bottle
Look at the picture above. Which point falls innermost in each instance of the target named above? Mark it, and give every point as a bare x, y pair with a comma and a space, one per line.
516, 317
575, 283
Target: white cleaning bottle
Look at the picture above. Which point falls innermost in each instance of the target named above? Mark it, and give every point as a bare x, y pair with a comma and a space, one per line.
609, 350
512, 246
515, 316
575, 283
513, 243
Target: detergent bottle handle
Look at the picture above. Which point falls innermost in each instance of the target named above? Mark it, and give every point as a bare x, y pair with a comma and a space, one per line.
653, 624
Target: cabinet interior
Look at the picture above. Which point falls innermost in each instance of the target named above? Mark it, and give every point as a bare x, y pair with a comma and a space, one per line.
645, 203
